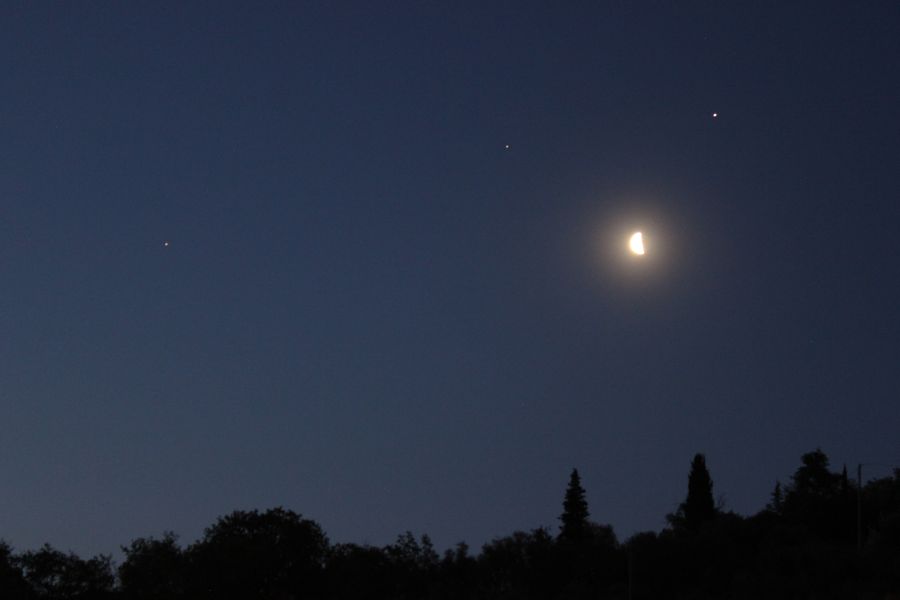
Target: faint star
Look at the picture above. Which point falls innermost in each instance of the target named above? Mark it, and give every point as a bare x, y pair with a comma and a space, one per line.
166, 244
715, 115
507, 146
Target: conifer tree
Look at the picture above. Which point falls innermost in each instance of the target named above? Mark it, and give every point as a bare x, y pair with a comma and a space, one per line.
699, 505
575, 511
776, 505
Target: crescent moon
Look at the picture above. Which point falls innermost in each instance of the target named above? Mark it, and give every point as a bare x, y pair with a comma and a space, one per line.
636, 243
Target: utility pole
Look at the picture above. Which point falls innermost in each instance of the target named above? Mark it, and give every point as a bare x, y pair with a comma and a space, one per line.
859, 507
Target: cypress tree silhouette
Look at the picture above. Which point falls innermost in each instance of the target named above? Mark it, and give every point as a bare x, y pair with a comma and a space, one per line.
776, 505
575, 511
699, 506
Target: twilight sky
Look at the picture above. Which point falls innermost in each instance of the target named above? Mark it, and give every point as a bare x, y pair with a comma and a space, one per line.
373, 312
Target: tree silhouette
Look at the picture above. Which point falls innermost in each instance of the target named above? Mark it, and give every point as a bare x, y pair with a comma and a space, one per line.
776, 504
575, 511
247, 554
153, 569
458, 574
814, 500
584, 558
520, 566
54, 575
814, 479
801, 545
699, 506
356, 572
413, 564
12, 584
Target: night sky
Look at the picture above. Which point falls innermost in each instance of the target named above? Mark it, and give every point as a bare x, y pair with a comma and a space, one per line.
368, 260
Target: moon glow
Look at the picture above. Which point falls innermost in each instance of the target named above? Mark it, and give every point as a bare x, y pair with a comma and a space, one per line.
636, 243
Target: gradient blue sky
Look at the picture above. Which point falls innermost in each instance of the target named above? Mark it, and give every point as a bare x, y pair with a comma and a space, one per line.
374, 313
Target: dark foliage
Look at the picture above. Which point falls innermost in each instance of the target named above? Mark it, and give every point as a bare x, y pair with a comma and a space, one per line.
247, 554
153, 569
53, 575
362, 572
803, 545
12, 582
